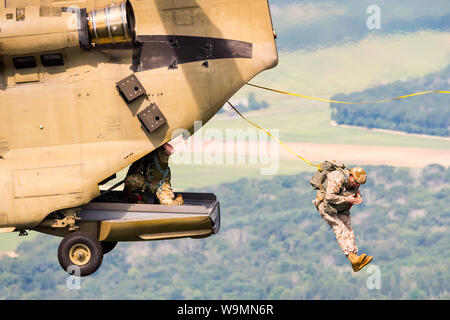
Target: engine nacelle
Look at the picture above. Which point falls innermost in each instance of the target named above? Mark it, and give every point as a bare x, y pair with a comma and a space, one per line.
113, 24
37, 29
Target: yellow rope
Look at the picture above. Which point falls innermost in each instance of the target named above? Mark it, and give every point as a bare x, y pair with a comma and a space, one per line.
344, 102
324, 100
269, 134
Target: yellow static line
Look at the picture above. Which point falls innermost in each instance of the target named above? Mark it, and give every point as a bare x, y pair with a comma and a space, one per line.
346, 102
324, 100
269, 134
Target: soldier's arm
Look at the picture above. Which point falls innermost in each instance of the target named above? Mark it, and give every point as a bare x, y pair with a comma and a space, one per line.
335, 180
135, 167
162, 156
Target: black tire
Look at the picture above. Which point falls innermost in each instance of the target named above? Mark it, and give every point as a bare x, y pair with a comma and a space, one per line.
81, 243
108, 246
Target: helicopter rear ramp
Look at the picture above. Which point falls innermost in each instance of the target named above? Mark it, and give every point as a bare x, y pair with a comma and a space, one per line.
118, 221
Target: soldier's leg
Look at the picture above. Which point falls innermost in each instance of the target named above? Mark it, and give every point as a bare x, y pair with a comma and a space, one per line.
349, 234
133, 189
152, 187
344, 235
166, 196
358, 262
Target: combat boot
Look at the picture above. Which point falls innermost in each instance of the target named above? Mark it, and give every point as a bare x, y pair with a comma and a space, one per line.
359, 262
356, 260
179, 200
364, 263
166, 201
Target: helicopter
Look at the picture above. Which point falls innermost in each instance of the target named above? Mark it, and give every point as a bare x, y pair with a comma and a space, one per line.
88, 87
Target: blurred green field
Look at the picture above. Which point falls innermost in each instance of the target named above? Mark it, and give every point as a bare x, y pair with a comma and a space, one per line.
186, 177
347, 68
10, 241
300, 121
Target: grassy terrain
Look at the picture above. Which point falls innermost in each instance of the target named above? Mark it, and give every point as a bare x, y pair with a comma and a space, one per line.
359, 65
198, 176
299, 122
347, 68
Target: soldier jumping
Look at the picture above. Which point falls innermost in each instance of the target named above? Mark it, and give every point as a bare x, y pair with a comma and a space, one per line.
338, 192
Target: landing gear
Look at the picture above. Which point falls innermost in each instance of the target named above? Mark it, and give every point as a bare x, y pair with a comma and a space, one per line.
82, 250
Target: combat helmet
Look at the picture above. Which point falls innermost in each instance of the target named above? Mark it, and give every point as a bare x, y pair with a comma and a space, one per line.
359, 174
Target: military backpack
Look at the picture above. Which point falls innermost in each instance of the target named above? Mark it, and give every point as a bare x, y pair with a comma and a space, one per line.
320, 177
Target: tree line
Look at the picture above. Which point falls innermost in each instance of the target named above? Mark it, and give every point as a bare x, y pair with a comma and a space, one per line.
424, 114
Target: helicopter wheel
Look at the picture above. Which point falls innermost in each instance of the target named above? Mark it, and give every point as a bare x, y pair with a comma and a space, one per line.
80, 250
108, 246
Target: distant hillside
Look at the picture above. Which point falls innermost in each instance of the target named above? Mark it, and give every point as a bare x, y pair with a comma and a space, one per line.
272, 245
425, 114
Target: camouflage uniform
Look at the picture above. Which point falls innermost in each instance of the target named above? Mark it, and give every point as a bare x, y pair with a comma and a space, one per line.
151, 173
333, 205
